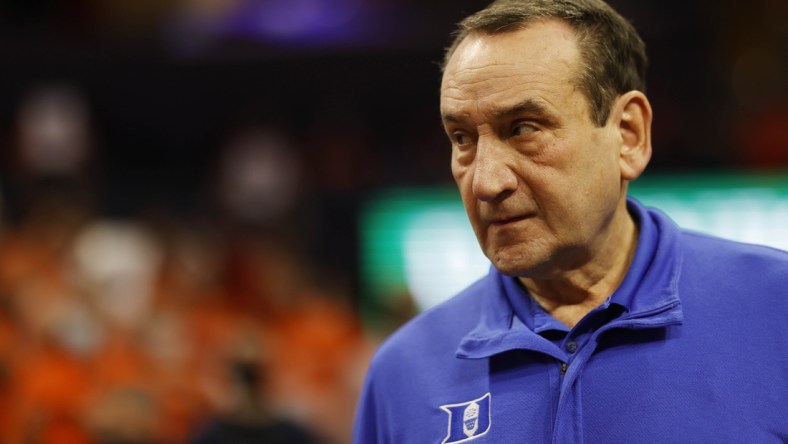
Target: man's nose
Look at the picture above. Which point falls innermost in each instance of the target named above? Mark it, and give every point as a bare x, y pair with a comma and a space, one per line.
493, 178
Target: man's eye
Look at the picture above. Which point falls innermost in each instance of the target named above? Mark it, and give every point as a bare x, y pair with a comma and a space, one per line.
523, 129
461, 139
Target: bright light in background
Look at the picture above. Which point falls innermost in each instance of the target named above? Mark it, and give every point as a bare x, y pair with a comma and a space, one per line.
199, 24
754, 215
293, 18
419, 243
441, 255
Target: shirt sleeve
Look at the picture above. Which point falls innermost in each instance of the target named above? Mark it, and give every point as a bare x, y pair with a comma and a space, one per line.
368, 427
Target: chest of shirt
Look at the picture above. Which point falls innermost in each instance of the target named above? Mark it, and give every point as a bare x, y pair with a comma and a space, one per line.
639, 386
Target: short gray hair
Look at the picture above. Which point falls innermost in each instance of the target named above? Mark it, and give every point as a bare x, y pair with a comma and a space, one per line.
613, 55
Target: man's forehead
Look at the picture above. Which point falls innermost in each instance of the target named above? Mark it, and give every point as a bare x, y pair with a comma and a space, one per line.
543, 40
539, 61
542, 59
471, 47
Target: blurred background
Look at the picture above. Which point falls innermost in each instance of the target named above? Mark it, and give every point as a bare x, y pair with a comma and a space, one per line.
213, 211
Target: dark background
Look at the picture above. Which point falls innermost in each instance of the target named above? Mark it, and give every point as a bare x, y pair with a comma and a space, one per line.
165, 91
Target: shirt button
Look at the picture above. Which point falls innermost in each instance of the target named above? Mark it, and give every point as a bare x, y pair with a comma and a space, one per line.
571, 346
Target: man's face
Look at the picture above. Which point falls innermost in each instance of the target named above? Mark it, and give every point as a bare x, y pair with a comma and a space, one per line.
539, 181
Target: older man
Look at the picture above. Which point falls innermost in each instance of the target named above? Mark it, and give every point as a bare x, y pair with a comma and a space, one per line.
600, 321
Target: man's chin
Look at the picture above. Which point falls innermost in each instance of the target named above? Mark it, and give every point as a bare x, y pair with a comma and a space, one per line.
517, 265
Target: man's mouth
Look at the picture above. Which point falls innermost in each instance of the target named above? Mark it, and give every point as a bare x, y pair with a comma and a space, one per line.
509, 220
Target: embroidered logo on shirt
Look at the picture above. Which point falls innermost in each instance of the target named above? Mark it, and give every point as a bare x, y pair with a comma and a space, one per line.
468, 420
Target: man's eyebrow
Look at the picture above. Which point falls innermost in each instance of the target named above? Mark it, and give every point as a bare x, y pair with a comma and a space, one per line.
527, 106
450, 118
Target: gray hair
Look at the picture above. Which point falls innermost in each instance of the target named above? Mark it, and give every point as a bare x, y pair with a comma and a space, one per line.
613, 55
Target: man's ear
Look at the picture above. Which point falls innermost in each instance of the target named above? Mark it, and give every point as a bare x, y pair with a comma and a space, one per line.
632, 118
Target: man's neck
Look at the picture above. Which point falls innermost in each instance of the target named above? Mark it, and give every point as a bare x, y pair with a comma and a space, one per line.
571, 295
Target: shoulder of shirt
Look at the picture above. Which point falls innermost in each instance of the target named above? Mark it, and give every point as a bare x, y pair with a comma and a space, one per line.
725, 248
731, 269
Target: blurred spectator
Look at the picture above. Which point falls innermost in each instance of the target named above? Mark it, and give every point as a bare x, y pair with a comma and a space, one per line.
52, 156
116, 265
249, 417
260, 177
54, 134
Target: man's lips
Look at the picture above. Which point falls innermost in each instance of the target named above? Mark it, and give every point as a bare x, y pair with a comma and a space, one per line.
508, 220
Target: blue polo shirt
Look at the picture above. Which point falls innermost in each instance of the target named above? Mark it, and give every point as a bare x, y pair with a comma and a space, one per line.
692, 347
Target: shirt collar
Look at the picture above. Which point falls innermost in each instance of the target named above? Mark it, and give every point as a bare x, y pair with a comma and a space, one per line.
527, 310
649, 290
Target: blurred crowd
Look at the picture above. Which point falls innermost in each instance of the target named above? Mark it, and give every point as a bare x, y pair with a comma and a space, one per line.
157, 329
